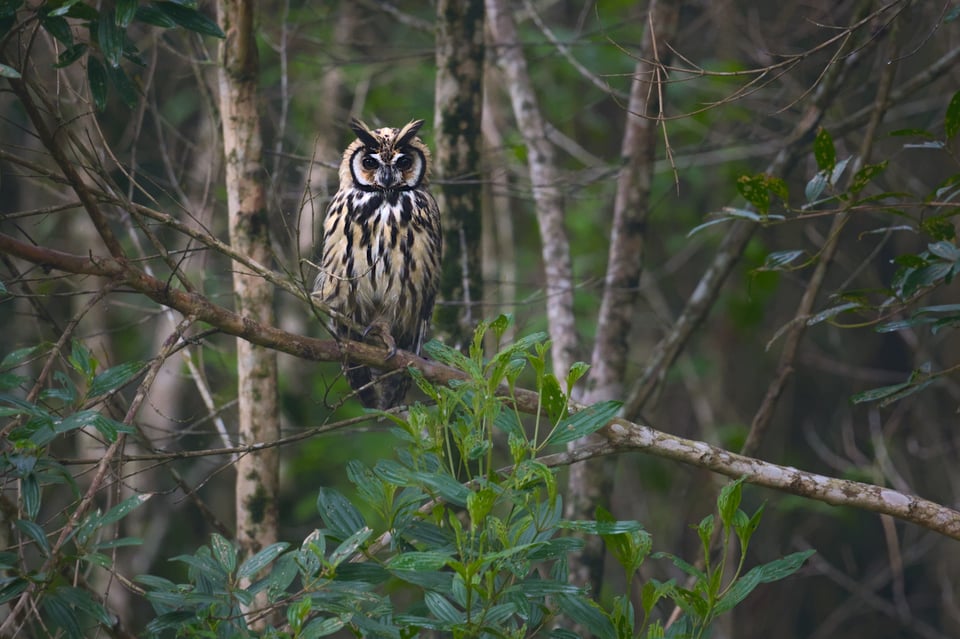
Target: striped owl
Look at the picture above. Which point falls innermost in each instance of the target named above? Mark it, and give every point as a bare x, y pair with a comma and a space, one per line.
380, 265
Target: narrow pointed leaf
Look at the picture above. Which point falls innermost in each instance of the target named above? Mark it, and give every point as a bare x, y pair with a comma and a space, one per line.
582, 423
259, 561
189, 18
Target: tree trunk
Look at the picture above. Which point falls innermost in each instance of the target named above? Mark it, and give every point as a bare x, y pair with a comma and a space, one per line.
545, 181
257, 473
458, 116
591, 483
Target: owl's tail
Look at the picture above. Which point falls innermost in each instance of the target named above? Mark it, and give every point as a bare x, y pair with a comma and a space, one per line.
377, 389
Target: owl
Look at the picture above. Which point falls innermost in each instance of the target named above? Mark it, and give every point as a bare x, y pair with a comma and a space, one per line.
382, 243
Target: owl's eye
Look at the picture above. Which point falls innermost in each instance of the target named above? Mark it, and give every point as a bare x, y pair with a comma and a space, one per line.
404, 162
369, 163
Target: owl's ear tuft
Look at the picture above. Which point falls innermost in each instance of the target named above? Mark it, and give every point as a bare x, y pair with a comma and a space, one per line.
408, 132
363, 133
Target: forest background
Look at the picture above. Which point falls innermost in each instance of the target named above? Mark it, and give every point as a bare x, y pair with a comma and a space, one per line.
740, 214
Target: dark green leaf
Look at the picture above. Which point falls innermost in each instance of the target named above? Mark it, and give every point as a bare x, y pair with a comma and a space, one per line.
587, 613
322, 627
349, 546
121, 542
602, 527
59, 615
59, 28
823, 151
259, 561
83, 601
9, 8
584, 422
80, 358
553, 399
114, 378
70, 55
832, 312
224, 552
152, 15
126, 10
951, 123
110, 37
446, 486
865, 175
341, 517
30, 493
754, 190
189, 19
920, 132
419, 561
765, 573
124, 86
34, 532
97, 76
12, 589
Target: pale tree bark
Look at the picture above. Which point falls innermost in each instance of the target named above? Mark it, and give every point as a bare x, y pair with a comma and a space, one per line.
257, 473
591, 483
545, 181
458, 116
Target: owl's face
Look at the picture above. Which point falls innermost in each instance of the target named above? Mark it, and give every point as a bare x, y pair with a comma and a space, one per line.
386, 159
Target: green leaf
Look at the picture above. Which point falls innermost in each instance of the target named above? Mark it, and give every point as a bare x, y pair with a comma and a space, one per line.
865, 175
815, 187
110, 36
83, 601
341, 517
189, 18
58, 27
59, 615
114, 378
584, 422
124, 86
224, 552
553, 399
152, 15
8, 8
429, 560
70, 55
765, 573
8, 72
832, 312
12, 589
126, 10
82, 360
124, 508
19, 356
951, 122
252, 566
349, 546
778, 260
823, 151
754, 190
441, 608
34, 532
729, 501
97, 77
30, 494
588, 614
602, 527
323, 627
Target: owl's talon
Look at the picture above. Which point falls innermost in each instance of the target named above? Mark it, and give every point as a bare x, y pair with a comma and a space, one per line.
382, 331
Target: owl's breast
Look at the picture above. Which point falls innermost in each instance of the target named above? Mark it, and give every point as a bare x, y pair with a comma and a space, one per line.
381, 258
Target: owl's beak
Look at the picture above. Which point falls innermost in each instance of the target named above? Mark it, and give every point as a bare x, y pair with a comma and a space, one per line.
386, 177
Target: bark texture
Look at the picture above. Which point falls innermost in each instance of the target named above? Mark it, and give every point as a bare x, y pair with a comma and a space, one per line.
257, 473
545, 183
591, 484
458, 116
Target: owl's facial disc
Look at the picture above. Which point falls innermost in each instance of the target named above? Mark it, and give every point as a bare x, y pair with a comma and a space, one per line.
390, 169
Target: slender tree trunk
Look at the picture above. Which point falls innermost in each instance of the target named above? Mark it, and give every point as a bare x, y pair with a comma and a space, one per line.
257, 473
458, 116
591, 483
545, 182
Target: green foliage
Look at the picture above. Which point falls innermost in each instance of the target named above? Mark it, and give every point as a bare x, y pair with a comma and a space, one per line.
107, 36
466, 549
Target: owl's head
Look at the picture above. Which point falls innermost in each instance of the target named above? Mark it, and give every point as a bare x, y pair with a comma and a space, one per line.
386, 159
